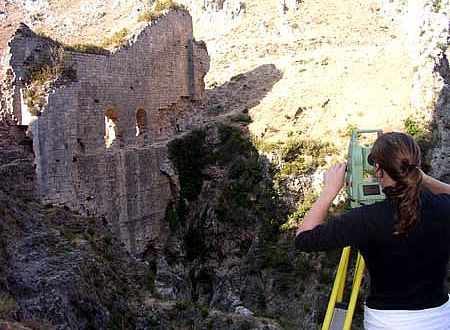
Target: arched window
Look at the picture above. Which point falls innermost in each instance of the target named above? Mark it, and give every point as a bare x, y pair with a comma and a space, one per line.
141, 122
110, 127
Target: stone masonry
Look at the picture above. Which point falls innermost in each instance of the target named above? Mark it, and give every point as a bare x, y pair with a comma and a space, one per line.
100, 142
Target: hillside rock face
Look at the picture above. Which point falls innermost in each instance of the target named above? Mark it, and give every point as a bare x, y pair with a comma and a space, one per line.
60, 270
428, 41
441, 151
95, 133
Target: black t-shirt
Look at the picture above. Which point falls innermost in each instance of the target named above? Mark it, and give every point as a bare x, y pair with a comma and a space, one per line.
407, 272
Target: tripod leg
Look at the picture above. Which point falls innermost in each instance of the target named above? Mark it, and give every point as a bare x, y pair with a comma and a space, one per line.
342, 270
359, 272
340, 293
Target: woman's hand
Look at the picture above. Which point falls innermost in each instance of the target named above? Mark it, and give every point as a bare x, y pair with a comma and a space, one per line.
333, 180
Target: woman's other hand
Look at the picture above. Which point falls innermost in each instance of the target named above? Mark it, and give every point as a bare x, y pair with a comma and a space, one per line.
435, 186
333, 180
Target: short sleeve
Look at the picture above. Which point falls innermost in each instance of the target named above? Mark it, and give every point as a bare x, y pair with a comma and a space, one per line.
352, 228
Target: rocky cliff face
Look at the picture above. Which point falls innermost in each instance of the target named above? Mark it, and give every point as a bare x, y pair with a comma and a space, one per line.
426, 26
440, 153
60, 270
66, 271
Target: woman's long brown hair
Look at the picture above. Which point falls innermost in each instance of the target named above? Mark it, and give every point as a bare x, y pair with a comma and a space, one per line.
399, 155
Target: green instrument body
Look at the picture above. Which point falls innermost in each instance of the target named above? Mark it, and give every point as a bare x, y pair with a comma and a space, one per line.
362, 189
361, 183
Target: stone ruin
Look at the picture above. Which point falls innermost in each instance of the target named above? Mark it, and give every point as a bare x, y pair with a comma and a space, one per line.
100, 136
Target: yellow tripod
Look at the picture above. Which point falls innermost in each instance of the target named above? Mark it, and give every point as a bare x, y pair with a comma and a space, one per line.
362, 189
337, 317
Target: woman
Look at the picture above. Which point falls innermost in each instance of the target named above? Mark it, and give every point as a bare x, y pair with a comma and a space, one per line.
404, 240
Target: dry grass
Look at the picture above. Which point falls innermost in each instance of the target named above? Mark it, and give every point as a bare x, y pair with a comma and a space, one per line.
340, 66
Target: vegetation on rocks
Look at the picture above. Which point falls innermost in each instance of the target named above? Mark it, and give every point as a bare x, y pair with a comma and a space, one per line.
7, 305
301, 156
156, 9
88, 48
53, 69
187, 154
118, 39
421, 132
236, 215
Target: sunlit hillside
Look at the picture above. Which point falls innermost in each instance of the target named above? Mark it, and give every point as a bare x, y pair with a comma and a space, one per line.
340, 64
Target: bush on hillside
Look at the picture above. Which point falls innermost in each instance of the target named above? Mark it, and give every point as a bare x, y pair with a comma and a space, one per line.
421, 132
303, 156
87, 48
118, 39
157, 10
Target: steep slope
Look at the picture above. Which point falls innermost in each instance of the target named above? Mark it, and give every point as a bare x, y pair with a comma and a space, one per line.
60, 270
342, 64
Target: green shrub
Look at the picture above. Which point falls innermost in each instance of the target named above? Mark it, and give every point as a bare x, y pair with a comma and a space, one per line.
299, 213
52, 69
87, 48
422, 134
437, 5
52, 66
153, 320
7, 304
277, 257
90, 231
162, 5
118, 39
234, 145
108, 239
306, 308
301, 156
204, 312
148, 15
170, 216
415, 129
349, 129
157, 10
263, 145
202, 44
187, 155
149, 282
183, 304
34, 100
243, 118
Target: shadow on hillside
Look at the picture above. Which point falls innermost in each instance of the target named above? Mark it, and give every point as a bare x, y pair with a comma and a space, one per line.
244, 91
441, 140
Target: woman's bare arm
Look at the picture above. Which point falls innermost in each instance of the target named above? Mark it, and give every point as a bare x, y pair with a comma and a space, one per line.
435, 186
333, 182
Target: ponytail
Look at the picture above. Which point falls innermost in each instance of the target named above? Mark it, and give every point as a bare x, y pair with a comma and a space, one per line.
399, 155
406, 198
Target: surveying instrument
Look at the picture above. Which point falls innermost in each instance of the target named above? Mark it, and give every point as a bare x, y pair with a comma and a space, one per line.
362, 189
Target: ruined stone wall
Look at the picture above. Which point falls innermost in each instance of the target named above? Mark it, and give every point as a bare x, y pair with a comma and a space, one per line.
127, 180
25, 51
